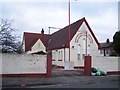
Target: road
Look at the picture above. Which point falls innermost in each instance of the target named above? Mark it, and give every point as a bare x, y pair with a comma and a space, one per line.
62, 80
84, 82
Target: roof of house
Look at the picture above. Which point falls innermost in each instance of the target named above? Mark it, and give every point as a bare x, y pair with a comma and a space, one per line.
58, 39
32, 38
106, 45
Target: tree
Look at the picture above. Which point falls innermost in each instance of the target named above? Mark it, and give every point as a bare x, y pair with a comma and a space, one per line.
116, 42
8, 40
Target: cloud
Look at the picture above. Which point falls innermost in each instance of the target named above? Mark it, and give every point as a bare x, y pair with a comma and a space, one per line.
32, 17
105, 17
102, 18
105, 23
0, 10
119, 15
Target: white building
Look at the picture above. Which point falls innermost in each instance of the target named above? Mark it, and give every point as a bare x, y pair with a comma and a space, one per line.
82, 42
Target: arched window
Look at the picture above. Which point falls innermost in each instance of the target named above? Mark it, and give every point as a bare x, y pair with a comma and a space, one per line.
79, 47
83, 48
78, 55
61, 55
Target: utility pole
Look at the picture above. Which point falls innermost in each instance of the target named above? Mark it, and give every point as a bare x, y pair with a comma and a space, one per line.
86, 43
69, 28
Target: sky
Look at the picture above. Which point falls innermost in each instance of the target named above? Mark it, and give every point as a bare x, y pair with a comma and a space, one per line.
33, 15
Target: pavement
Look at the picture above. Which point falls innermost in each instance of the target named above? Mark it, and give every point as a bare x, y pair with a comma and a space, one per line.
62, 79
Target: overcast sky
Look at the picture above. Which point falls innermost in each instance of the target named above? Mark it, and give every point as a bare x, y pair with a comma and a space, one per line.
33, 15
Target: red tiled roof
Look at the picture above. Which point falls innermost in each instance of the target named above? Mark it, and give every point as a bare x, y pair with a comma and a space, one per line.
59, 39
31, 39
106, 45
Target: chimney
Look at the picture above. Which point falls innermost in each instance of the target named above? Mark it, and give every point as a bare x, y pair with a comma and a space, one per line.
107, 41
42, 35
42, 32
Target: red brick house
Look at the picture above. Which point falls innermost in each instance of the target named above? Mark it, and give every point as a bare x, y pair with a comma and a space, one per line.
106, 48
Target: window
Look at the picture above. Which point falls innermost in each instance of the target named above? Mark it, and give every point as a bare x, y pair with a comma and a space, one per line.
88, 50
84, 45
108, 52
61, 55
78, 56
54, 56
78, 49
83, 56
102, 51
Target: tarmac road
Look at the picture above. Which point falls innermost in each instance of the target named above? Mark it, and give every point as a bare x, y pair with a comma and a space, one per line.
84, 82
62, 80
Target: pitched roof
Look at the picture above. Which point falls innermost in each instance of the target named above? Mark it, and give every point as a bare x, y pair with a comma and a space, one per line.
106, 45
32, 38
59, 39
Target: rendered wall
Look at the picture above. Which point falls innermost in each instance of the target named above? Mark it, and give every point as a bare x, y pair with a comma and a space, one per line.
77, 41
106, 63
23, 64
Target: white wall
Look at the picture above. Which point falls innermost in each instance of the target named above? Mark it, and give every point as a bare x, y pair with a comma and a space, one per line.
23, 64
78, 41
106, 63
58, 55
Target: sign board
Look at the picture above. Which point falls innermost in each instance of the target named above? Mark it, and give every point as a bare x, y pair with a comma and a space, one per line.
69, 65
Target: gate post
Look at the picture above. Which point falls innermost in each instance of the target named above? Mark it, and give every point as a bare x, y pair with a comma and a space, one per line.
49, 64
87, 65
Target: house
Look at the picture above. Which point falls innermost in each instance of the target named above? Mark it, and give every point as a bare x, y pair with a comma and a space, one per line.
82, 42
35, 42
106, 49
